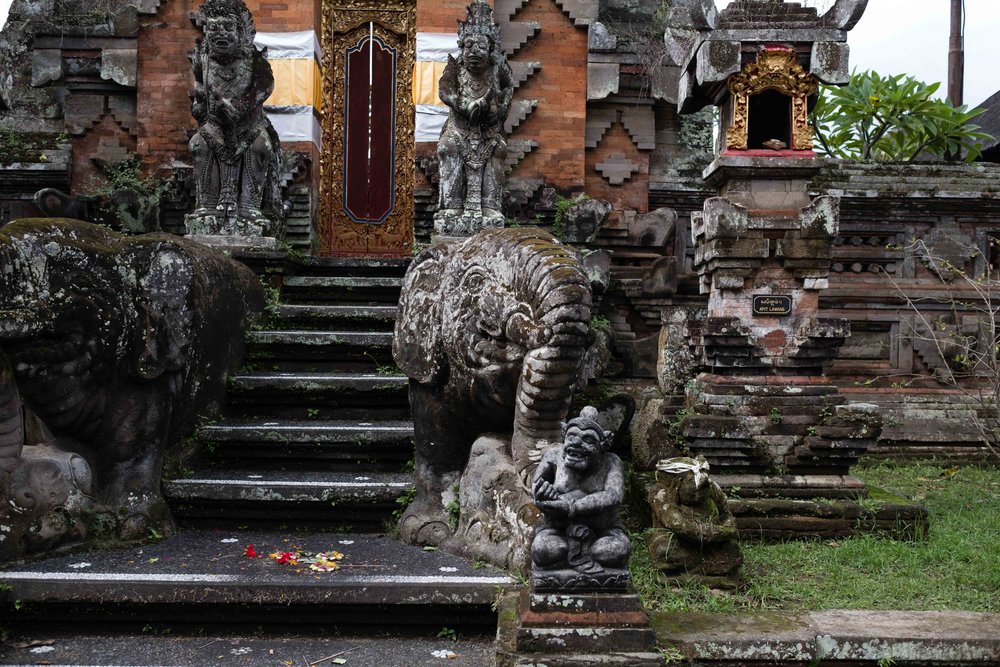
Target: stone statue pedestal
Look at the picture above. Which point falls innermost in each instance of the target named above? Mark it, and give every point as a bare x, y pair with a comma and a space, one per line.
568, 579
574, 629
236, 242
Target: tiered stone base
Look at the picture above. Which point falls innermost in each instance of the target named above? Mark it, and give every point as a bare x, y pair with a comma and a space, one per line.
782, 446
777, 508
574, 630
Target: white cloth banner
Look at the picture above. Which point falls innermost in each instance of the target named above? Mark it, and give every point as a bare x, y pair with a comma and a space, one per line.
296, 124
430, 121
437, 46
303, 44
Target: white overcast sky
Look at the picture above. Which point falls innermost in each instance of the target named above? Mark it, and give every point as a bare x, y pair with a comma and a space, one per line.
911, 36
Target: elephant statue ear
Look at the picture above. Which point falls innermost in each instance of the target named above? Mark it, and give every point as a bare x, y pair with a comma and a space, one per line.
164, 310
416, 345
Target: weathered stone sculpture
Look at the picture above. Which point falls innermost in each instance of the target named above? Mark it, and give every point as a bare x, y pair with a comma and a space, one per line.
236, 149
110, 347
478, 88
580, 543
694, 533
491, 331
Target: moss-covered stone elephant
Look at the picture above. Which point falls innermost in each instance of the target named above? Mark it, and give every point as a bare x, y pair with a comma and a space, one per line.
491, 331
110, 348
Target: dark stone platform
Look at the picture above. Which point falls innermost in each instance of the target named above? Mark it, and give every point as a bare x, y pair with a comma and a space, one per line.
835, 638
153, 649
204, 575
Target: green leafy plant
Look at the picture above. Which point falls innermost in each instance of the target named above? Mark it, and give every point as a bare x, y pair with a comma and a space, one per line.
448, 633
454, 508
893, 118
775, 416
130, 201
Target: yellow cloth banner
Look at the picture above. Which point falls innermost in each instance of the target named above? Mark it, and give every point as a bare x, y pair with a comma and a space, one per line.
296, 83
426, 75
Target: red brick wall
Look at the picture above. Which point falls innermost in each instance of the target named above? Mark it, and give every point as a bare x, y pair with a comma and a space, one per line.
560, 87
440, 15
163, 106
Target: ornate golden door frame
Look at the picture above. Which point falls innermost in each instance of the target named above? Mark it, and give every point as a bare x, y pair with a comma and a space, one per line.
776, 68
351, 27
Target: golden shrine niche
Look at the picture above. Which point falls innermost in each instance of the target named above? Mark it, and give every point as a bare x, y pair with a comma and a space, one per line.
772, 81
367, 162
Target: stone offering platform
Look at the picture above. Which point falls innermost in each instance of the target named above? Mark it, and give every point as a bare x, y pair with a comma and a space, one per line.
574, 630
203, 577
835, 638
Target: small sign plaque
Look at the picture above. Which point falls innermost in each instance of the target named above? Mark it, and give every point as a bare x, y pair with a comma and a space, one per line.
772, 305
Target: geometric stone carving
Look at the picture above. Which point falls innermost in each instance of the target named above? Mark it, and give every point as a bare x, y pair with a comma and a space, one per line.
581, 12
641, 125
599, 121
617, 168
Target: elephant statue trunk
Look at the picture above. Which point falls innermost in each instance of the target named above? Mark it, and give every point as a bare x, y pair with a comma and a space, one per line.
11, 422
491, 332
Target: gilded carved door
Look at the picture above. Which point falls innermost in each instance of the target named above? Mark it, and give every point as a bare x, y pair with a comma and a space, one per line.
367, 162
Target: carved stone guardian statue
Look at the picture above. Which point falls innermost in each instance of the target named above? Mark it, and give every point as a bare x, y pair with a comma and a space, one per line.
478, 88
694, 533
237, 153
579, 486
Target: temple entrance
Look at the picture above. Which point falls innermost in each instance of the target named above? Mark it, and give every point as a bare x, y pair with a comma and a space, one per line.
366, 200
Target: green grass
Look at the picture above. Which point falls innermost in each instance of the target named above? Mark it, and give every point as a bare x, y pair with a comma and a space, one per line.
956, 567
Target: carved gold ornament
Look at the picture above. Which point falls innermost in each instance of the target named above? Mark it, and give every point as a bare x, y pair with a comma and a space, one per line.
776, 68
345, 22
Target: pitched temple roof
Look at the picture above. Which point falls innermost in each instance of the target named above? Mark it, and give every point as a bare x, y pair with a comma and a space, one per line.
990, 123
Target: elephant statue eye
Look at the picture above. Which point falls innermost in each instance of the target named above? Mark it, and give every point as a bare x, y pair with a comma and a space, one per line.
474, 281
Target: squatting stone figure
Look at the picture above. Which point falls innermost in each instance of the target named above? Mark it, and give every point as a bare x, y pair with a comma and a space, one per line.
478, 88
578, 487
694, 536
236, 150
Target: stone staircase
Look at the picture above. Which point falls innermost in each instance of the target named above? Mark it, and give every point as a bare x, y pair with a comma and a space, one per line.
317, 431
312, 453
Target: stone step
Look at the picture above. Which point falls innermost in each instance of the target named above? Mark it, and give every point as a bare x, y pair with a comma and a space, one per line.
377, 445
342, 349
165, 645
310, 395
622, 659
338, 317
370, 289
352, 266
354, 500
203, 576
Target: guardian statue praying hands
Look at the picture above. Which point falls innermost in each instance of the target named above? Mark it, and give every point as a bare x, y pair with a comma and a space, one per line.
237, 154
478, 88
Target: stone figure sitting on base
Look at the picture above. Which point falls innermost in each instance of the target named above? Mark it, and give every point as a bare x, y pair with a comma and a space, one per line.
580, 543
478, 88
694, 533
237, 153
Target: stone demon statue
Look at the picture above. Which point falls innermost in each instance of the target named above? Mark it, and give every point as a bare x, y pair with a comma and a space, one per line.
237, 154
478, 88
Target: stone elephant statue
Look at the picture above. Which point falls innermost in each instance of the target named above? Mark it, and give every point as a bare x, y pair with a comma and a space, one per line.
491, 332
110, 349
